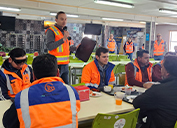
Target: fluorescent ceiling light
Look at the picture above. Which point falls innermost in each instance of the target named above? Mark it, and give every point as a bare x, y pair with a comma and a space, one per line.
114, 3
112, 19
142, 22
168, 11
68, 15
10, 9
53, 14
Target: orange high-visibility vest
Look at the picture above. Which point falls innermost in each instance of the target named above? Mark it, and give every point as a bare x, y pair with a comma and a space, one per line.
137, 72
111, 45
48, 103
90, 74
129, 47
61, 52
14, 83
159, 49
142, 47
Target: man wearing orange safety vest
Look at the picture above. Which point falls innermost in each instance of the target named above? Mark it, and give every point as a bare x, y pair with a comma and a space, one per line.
111, 44
159, 48
129, 48
47, 102
58, 44
140, 71
15, 74
98, 73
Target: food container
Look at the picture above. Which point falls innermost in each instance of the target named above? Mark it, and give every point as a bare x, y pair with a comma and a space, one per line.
83, 92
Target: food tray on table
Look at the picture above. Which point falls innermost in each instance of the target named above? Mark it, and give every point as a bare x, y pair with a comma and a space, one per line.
128, 98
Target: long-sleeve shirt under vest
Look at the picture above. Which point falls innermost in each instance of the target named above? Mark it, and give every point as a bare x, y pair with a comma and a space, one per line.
3, 85
131, 78
51, 44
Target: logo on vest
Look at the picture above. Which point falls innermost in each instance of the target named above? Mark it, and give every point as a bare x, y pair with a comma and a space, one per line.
49, 87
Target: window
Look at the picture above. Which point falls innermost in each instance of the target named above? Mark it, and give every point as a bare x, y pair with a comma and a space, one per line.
173, 40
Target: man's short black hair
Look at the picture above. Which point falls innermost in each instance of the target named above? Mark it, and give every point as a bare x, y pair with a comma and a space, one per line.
60, 12
140, 53
45, 66
170, 53
170, 64
101, 49
17, 52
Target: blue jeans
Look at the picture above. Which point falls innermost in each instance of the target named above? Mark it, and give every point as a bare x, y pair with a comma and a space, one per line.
64, 73
111, 51
118, 45
158, 57
130, 55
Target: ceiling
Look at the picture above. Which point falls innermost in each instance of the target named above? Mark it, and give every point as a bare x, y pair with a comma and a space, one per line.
144, 10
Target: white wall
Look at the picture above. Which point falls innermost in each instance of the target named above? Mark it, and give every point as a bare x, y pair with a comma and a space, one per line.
164, 30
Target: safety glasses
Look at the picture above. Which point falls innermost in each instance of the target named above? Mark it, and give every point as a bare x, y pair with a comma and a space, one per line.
19, 61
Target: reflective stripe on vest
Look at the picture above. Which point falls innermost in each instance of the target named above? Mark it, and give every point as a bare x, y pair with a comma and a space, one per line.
129, 47
8, 82
24, 104
9, 87
73, 104
159, 49
29, 73
55, 31
60, 48
62, 58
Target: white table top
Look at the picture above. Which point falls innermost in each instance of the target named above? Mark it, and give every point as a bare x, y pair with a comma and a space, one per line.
103, 104
4, 105
89, 109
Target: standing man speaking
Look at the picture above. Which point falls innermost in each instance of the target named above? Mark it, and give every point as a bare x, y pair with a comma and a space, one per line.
58, 44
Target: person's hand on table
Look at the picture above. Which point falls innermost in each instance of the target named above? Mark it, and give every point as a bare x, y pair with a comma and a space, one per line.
147, 85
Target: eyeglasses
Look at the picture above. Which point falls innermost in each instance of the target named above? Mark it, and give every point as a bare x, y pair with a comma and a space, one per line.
158, 35
19, 61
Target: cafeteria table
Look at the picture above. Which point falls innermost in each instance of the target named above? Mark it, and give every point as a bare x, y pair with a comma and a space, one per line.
89, 109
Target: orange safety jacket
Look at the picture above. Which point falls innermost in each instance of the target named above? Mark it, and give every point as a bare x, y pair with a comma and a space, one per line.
137, 72
111, 45
142, 47
14, 83
48, 103
129, 47
90, 73
159, 49
61, 52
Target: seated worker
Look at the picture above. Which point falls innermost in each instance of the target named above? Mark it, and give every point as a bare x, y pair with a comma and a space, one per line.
159, 102
99, 72
157, 67
140, 71
47, 103
15, 74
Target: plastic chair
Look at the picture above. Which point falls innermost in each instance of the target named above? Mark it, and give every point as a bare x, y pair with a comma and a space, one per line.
118, 69
121, 79
175, 125
122, 57
113, 58
74, 85
1, 60
127, 120
30, 59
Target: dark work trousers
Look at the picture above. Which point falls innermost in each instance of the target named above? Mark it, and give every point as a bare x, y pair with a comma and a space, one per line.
64, 73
